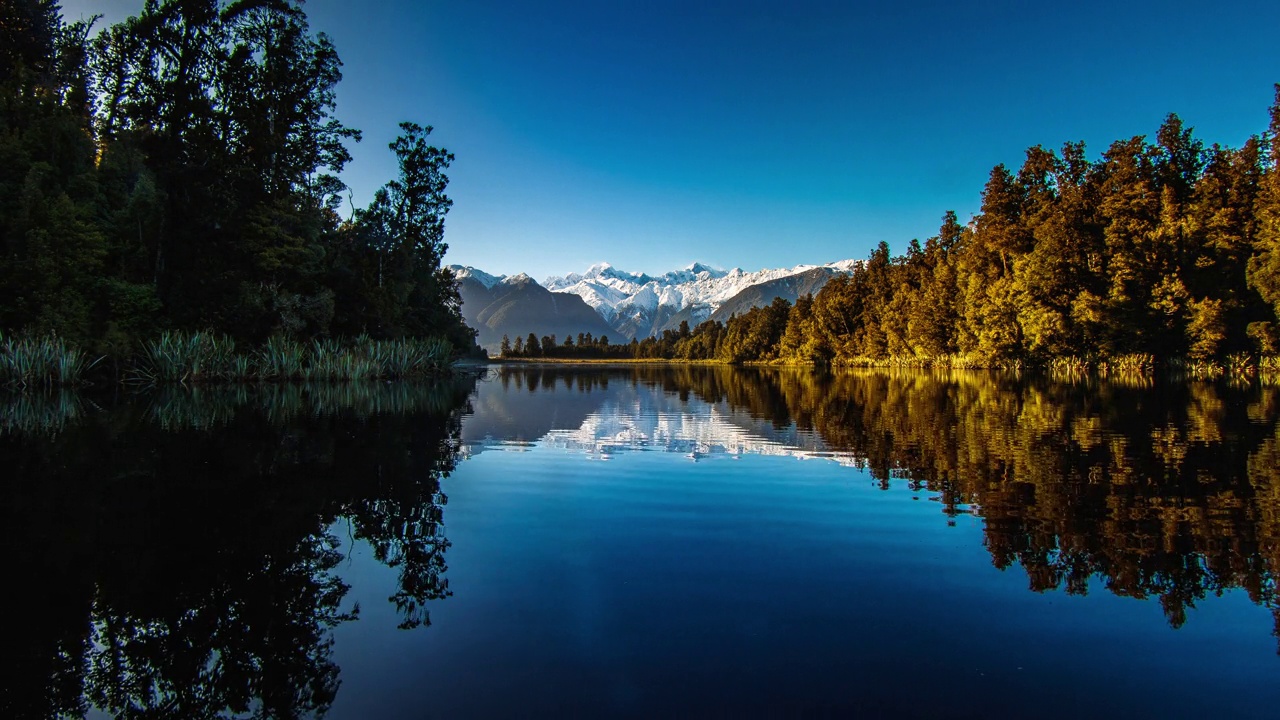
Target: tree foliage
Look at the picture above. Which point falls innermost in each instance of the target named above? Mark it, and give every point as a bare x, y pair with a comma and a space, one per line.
181, 170
1165, 249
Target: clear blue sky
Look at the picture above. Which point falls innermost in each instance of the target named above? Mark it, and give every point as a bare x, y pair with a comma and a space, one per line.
762, 134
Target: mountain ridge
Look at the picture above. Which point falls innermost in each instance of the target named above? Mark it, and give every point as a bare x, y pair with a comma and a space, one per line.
517, 305
637, 305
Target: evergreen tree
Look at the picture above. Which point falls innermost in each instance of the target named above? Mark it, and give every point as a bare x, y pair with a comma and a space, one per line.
180, 169
53, 248
1264, 265
931, 326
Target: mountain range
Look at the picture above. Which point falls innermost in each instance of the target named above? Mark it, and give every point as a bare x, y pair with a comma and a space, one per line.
623, 305
516, 306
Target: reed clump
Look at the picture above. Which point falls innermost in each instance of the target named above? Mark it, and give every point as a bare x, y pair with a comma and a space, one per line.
193, 358
1268, 368
936, 362
1131, 364
178, 357
42, 361
1071, 366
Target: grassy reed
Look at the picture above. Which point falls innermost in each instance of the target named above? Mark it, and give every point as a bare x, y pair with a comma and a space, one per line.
193, 358
281, 359
937, 362
1268, 369
41, 360
1134, 364
177, 357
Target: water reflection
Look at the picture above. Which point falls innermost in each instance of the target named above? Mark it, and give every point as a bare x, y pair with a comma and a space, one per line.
170, 570
175, 552
1149, 490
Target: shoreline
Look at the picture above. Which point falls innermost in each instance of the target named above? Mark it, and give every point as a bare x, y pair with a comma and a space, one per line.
1265, 369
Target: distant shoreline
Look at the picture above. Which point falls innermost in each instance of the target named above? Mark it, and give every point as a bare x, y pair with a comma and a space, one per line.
1266, 368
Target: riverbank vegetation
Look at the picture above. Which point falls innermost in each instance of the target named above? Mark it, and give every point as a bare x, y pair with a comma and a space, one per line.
1161, 253
176, 175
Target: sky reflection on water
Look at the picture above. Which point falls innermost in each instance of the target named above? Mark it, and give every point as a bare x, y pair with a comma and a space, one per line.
754, 542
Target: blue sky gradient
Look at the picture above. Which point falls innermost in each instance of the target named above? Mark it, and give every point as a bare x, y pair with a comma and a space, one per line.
762, 134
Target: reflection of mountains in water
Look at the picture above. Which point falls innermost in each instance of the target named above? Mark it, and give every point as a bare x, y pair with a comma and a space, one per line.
1169, 491
598, 420
701, 430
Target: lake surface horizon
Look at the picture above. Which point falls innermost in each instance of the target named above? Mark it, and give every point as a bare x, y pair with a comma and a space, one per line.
639, 541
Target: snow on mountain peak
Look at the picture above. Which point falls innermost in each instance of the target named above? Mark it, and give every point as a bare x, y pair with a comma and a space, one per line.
480, 276
671, 297
646, 298
698, 268
611, 291
637, 303
601, 272
517, 279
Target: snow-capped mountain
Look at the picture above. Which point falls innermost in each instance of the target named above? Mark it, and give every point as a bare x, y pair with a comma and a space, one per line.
641, 305
516, 305
484, 278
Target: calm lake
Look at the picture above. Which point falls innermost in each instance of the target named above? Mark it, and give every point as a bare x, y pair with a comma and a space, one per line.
646, 542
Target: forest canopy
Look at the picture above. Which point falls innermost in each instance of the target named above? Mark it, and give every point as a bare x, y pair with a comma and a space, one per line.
180, 170
1160, 249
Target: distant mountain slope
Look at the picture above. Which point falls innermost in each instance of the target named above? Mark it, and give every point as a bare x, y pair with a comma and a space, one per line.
790, 287
623, 305
639, 305
516, 306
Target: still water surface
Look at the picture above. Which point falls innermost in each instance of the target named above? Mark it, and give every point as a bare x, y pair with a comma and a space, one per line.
552, 542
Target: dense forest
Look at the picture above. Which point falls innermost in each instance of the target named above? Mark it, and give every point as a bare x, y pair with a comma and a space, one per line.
1164, 251
179, 171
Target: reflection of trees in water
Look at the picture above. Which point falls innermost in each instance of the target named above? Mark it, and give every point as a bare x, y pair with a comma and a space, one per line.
582, 379
190, 573
180, 408
1168, 491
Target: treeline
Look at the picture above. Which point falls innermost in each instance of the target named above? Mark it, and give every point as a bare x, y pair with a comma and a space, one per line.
1156, 251
179, 170
548, 346
673, 344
